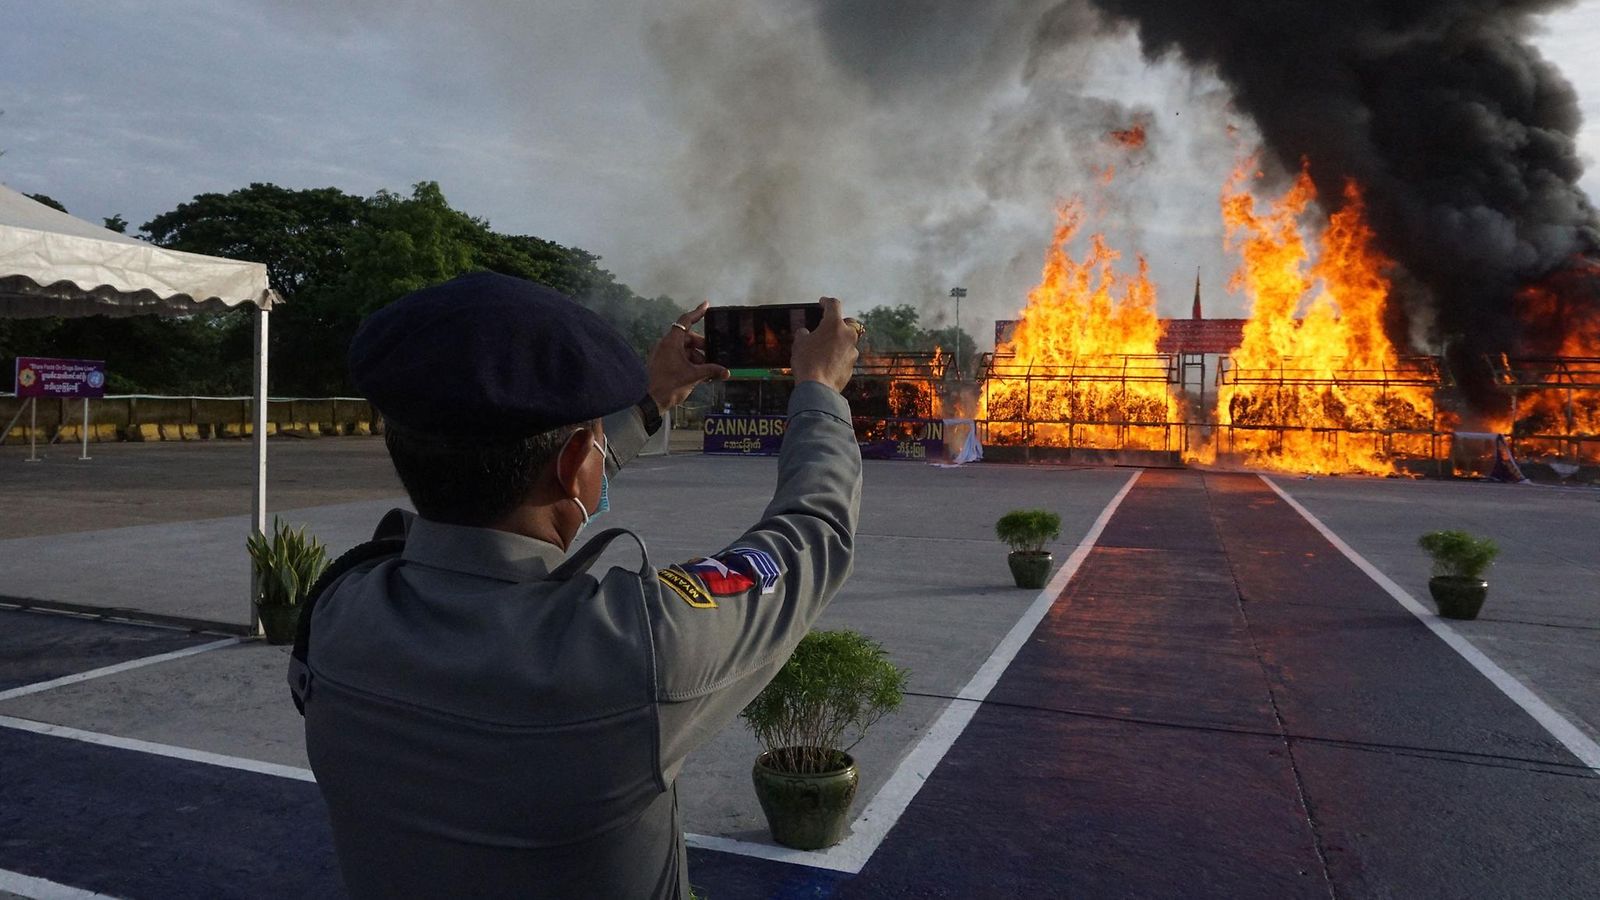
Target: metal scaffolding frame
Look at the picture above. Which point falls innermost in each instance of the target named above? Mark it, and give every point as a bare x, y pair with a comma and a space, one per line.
1575, 380
899, 384
1083, 376
1394, 443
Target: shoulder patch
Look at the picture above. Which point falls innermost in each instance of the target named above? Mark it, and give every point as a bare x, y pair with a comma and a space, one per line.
758, 564
687, 588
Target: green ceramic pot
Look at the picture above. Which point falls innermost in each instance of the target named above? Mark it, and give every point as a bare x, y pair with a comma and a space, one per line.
806, 812
279, 622
1030, 568
1458, 597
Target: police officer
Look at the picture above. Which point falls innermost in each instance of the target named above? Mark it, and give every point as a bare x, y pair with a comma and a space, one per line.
484, 716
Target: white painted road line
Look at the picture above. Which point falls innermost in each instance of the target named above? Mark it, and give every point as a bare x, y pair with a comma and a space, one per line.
41, 889
1570, 735
168, 750
65, 680
867, 832
885, 809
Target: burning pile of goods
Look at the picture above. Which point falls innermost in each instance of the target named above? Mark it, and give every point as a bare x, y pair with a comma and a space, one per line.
1554, 408
900, 384
1316, 384
1083, 369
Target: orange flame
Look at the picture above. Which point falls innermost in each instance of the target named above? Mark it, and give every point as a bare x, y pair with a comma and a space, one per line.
1316, 386
1084, 371
907, 383
1557, 404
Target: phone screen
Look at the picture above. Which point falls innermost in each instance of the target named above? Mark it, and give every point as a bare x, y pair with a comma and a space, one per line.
757, 337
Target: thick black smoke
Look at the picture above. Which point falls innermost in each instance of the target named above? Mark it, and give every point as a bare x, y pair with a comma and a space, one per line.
1461, 133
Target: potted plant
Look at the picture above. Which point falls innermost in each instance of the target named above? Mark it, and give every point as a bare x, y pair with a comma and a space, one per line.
1459, 561
1027, 531
285, 569
835, 686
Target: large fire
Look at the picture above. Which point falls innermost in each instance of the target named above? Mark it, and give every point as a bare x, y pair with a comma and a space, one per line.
1556, 397
1084, 371
1316, 385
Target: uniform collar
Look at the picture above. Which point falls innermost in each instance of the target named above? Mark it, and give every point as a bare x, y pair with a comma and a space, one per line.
480, 551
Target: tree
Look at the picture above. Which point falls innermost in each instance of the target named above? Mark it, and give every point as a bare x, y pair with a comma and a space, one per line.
117, 223
304, 238
898, 328
335, 258
301, 235
47, 200
891, 328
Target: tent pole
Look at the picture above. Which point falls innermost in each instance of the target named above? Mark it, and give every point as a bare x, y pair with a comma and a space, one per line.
85, 453
33, 429
258, 506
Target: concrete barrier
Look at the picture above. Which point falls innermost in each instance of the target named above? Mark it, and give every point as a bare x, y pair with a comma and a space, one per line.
152, 418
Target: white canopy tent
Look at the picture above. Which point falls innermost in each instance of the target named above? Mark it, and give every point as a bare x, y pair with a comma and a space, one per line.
52, 264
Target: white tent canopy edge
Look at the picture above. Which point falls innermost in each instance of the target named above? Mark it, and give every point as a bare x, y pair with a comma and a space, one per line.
54, 264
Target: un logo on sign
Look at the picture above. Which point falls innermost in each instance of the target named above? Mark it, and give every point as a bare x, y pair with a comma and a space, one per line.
96, 378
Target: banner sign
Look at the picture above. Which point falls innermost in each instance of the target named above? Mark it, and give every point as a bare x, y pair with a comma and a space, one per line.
44, 377
743, 435
917, 439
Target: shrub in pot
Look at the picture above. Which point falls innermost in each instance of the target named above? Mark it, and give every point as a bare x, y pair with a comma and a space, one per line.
285, 567
1027, 531
1459, 561
835, 686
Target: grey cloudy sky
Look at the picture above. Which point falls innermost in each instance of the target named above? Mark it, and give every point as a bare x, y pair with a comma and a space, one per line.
702, 147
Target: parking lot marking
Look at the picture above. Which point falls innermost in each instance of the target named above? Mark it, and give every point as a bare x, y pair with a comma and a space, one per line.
168, 750
43, 889
868, 830
886, 807
704, 842
1573, 738
103, 671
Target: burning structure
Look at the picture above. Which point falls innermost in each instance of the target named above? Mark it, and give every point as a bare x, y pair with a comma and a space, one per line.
1313, 382
1436, 211
1554, 397
1316, 385
1081, 369
898, 401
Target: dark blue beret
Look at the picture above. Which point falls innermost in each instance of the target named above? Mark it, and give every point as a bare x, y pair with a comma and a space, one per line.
489, 355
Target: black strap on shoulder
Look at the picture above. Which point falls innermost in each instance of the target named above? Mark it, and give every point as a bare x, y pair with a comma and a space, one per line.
388, 539
581, 561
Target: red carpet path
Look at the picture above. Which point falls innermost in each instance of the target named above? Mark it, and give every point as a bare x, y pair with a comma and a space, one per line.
1220, 704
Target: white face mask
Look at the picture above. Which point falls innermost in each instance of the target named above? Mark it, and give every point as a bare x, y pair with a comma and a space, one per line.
605, 493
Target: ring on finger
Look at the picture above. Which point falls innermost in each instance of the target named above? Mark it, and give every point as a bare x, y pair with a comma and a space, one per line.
681, 327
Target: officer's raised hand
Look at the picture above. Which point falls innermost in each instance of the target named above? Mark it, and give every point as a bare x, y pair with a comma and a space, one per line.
828, 354
678, 361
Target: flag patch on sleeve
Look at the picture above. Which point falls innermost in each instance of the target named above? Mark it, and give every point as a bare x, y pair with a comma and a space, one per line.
687, 588
757, 564
719, 578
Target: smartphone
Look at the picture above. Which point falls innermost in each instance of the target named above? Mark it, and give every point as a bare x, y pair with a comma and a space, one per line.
757, 337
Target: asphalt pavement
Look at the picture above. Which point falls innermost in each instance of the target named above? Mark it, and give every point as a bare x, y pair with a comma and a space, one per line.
1219, 702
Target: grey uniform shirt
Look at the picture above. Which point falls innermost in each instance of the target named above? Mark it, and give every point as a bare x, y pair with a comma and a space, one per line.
480, 730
